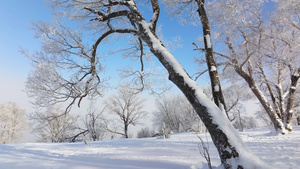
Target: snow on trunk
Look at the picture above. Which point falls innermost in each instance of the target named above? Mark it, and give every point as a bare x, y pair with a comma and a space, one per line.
290, 102
278, 124
208, 41
232, 150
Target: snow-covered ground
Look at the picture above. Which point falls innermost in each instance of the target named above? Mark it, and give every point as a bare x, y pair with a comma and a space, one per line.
179, 152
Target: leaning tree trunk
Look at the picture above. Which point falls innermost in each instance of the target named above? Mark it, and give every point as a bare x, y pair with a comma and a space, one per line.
232, 151
210, 60
276, 120
248, 77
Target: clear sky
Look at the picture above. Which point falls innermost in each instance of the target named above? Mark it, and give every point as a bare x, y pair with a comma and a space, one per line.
15, 33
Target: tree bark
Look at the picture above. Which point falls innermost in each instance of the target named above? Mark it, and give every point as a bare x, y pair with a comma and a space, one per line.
210, 60
126, 130
290, 102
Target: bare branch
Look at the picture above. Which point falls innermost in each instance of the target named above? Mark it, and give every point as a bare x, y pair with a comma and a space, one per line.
155, 16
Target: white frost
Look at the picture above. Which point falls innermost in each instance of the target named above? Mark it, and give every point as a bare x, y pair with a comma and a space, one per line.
52, 30
213, 68
208, 41
216, 88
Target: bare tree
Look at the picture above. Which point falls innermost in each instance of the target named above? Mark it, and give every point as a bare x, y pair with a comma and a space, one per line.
13, 122
145, 132
256, 46
285, 30
174, 113
128, 106
261, 115
63, 50
236, 95
124, 17
245, 122
94, 123
54, 125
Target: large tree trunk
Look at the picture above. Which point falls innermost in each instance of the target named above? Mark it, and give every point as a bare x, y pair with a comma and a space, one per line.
232, 151
210, 60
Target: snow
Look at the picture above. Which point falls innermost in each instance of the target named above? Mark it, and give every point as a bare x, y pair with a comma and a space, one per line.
213, 68
216, 88
289, 126
207, 37
179, 152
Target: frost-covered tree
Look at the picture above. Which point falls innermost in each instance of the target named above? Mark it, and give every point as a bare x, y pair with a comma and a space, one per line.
103, 19
261, 51
94, 123
245, 122
128, 106
174, 113
285, 31
53, 125
145, 132
13, 123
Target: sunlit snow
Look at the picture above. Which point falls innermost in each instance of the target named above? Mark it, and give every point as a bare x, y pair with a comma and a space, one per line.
179, 152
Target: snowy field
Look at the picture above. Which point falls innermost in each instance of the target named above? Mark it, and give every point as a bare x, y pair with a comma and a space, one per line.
179, 152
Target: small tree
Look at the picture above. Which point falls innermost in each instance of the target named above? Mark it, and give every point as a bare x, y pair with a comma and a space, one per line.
245, 123
145, 132
13, 122
128, 106
262, 115
94, 122
174, 113
53, 125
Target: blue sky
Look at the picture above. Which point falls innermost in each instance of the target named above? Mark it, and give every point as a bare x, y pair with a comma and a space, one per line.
15, 32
